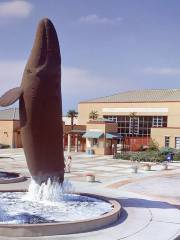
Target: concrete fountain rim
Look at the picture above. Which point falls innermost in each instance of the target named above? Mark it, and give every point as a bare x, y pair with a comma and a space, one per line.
64, 227
19, 178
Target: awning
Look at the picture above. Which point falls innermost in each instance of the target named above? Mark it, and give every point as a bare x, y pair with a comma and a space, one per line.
92, 134
113, 136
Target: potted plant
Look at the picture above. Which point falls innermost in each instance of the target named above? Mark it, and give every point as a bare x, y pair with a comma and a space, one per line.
134, 168
135, 162
90, 177
165, 166
146, 167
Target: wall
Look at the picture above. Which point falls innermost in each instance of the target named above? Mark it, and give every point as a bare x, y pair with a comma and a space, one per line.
108, 147
104, 145
6, 132
99, 127
17, 143
96, 126
158, 134
135, 143
99, 150
173, 110
111, 127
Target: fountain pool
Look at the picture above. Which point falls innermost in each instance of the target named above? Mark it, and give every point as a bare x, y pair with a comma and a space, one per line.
10, 177
15, 209
37, 211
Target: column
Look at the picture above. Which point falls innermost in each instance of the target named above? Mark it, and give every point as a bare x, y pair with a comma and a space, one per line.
69, 143
76, 143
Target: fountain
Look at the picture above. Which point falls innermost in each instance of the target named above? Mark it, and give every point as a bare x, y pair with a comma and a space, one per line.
11, 177
50, 206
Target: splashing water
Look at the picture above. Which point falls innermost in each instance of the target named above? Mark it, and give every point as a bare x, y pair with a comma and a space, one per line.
48, 191
49, 202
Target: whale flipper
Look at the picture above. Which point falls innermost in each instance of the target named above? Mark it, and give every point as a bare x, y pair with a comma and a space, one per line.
10, 96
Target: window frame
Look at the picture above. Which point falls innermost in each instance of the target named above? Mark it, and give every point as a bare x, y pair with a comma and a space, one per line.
166, 141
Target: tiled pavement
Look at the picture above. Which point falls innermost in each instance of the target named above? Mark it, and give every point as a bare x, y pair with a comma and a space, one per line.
144, 196
105, 168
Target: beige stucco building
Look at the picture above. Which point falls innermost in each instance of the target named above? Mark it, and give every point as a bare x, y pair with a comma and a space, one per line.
143, 113
130, 119
10, 128
100, 136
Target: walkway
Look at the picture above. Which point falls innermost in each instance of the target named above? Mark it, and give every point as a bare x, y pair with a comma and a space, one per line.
150, 200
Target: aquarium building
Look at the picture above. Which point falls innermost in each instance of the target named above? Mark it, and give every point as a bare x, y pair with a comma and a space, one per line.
141, 115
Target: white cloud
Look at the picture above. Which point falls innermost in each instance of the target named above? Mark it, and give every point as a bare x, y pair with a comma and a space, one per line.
15, 9
77, 84
10, 74
162, 71
74, 80
81, 84
95, 19
85, 83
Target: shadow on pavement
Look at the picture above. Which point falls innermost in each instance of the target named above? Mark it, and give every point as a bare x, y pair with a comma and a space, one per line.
144, 203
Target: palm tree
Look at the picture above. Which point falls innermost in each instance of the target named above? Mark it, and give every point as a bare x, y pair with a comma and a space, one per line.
93, 115
132, 123
72, 114
133, 117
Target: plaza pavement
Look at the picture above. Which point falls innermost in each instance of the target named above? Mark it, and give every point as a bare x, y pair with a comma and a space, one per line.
150, 199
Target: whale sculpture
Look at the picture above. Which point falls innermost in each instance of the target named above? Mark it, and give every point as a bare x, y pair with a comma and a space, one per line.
40, 106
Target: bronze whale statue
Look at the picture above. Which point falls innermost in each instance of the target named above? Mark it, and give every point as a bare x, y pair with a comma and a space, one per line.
40, 106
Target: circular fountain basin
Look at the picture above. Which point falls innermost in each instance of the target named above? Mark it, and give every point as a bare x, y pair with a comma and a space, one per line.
74, 214
11, 177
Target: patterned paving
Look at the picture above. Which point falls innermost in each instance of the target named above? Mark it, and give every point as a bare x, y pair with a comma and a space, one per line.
143, 196
105, 168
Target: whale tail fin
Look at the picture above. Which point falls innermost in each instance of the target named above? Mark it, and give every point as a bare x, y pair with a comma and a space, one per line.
10, 96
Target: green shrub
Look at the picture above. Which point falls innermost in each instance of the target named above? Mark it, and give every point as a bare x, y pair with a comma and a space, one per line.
124, 155
145, 156
177, 156
153, 145
167, 150
176, 153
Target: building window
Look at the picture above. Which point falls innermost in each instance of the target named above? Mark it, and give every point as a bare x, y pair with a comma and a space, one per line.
113, 118
177, 142
134, 126
167, 141
158, 121
142, 124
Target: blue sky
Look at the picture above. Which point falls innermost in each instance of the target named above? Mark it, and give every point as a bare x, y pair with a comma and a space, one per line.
106, 46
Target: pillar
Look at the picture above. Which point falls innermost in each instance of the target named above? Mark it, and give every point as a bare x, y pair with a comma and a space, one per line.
76, 143
69, 143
